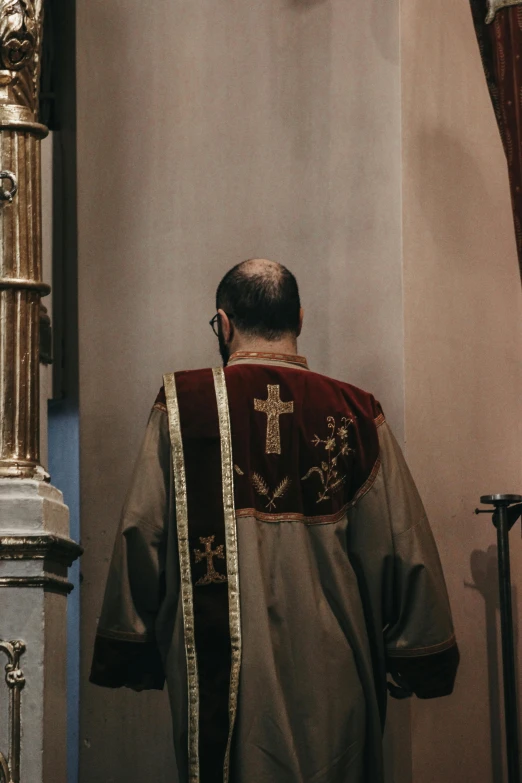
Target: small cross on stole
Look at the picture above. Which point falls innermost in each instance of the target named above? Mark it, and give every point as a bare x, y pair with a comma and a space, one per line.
209, 554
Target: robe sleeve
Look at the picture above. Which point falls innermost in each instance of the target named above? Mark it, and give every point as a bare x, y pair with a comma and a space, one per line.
420, 645
126, 651
401, 579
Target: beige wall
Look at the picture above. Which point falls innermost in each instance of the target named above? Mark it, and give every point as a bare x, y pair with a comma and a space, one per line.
209, 132
463, 350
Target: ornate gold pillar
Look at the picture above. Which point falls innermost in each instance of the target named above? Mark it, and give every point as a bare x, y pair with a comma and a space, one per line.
21, 286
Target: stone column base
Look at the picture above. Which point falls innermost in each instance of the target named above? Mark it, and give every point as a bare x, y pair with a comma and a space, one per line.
35, 554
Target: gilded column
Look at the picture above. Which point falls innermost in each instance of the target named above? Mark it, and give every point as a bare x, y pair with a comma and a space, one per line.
21, 286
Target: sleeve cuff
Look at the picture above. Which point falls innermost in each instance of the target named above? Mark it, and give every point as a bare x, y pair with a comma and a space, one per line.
427, 676
124, 664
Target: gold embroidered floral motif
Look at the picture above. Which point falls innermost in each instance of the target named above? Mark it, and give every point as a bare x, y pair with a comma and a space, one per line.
209, 554
262, 488
238, 470
274, 407
328, 472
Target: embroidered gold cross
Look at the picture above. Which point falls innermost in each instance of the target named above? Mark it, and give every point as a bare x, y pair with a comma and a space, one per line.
274, 407
212, 575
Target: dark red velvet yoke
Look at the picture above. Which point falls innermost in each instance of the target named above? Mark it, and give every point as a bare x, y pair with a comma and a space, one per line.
328, 443
500, 46
330, 437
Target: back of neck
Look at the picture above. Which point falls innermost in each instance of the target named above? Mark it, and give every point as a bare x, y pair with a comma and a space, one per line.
286, 345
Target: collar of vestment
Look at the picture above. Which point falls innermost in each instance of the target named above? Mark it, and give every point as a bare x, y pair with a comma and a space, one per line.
263, 357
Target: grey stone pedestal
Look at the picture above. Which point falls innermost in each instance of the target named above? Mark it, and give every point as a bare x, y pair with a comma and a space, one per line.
35, 554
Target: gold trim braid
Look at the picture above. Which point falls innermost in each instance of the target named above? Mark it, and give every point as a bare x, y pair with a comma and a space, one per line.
421, 652
231, 553
180, 481
497, 5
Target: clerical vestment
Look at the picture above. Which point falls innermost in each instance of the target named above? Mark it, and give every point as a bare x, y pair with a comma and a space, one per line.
273, 563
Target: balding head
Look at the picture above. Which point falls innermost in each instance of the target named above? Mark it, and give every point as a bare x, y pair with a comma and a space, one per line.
262, 298
261, 267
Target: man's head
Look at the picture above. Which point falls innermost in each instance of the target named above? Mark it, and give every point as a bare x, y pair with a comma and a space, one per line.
258, 304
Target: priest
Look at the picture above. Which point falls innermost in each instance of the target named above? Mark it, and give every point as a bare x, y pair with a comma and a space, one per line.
273, 563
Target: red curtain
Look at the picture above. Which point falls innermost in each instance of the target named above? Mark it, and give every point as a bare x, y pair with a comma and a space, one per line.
500, 45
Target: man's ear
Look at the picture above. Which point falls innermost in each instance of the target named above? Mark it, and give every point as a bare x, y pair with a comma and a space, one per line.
301, 318
226, 326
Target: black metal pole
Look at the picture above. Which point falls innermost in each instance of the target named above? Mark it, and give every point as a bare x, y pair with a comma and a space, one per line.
508, 509
508, 648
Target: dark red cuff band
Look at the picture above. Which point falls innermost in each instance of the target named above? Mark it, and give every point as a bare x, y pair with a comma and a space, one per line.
427, 676
119, 663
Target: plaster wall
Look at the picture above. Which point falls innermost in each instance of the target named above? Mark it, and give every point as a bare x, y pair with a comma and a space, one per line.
463, 349
210, 132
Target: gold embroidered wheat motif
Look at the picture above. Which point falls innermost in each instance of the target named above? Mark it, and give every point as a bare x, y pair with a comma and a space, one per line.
262, 488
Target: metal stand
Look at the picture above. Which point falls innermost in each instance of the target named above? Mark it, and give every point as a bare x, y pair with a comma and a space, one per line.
504, 517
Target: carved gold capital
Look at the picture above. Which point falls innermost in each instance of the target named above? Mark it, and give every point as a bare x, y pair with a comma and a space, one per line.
20, 62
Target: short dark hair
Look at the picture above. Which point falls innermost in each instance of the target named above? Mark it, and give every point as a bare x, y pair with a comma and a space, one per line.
262, 297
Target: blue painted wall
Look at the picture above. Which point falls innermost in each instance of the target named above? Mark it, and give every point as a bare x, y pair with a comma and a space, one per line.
64, 467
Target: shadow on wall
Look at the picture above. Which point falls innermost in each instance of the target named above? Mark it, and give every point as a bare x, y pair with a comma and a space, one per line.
304, 4
442, 169
384, 25
484, 570
385, 30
